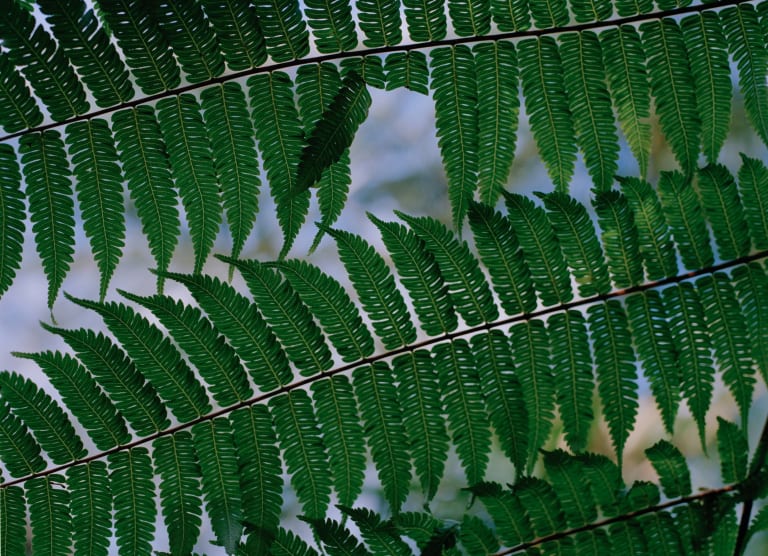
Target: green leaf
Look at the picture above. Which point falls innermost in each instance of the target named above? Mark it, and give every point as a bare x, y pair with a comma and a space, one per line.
49, 515
284, 29
19, 450
230, 133
135, 398
604, 480
191, 36
20, 110
330, 304
512, 521
48, 421
380, 21
145, 49
418, 393
99, 186
530, 344
541, 504
498, 247
576, 234
237, 318
671, 467
43, 63
180, 491
733, 449
752, 289
189, 152
620, 238
730, 339
753, 188
148, 177
467, 286
89, 49
304, 453
590, 104
280, 138
654, 236
674, 90
425, 19
656, 350
381, 536
239, 32
549, 13
216, 362
155, 358
407, 69
13, 527
708, 56
12, 217
503, 394
541, 249
420, 275
131, 481
337, 415
566, 474
685, 315
615, 370
382, 417
470, 17
454, 89
628, 80
572, 366
80, 393
334, 131
463, 402
219, 473
746, 42
511, 15
336, 538
375, 286
260, 472
685, 217
288, 544
724, 211
476, 537
498, 107
587, 11
51, 208
370, 68
332, 25
546, 104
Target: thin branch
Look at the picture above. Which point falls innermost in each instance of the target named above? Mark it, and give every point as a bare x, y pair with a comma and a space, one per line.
393, 353
620, 518
380, 51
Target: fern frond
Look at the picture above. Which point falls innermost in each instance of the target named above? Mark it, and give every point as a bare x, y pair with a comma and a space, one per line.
305, 456
180, 491
88, 47
12, 526
753, 188
407, 69
43, 63
566, 474
744, 35
242, 325
332, 25
238, 31
454, 87
511, 15
284, 29
155, 357
130, 479
49, 515
590, 105
20, 110
546, 102
336, 539
685, 314
733, 449
380, 22
592, 10
287, 544
467, 286
498, 109
99, 193
671, 467
20, 451
513, 525
673, 90
52, 211
193, 171
549, 13
12, 217
135, 398
381, 536
708, 55
752, 288
620, 238
280, 138
723, 208
230, 133
370, 68
630, 90
470, 17
213, 358
477, 537
146, 51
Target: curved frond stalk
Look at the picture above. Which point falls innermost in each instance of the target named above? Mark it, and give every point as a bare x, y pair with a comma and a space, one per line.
454, 87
